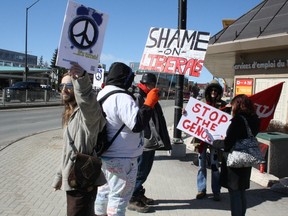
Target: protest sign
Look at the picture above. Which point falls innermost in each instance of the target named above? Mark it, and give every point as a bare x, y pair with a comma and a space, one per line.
81, 37
175, 51
204, 121
98, 79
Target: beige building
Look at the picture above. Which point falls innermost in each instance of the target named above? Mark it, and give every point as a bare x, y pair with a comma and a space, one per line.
251, 53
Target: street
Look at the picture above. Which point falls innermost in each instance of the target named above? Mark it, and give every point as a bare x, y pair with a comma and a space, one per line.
19, 123
23, 122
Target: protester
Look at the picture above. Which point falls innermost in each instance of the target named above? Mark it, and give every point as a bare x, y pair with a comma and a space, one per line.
82, 119
213, 94
120, 160
155, 133
237, 180
195, 90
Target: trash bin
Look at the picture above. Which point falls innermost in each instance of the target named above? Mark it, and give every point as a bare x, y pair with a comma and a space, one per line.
277, 152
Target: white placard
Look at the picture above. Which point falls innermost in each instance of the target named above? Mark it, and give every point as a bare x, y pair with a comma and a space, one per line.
204, 121
175, 51
81, 37
98, 78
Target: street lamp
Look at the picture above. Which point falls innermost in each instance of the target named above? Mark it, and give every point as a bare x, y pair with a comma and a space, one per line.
26, 37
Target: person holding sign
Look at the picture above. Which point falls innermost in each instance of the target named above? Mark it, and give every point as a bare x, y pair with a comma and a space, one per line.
82, 121
213, 94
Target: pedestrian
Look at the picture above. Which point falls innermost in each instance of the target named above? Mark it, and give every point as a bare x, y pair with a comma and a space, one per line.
155, 137
195, 90
82, 120
213, 94
120, 160
237, 180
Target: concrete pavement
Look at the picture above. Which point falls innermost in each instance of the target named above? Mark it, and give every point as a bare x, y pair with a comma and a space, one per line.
28, 166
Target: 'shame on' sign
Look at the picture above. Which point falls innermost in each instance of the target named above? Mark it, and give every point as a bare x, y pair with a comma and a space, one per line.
175, 51
204, 121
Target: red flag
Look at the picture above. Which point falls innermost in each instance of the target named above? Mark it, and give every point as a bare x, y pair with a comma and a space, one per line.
266, 102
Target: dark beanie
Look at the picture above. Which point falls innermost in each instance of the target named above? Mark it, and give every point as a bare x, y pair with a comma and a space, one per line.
120, 75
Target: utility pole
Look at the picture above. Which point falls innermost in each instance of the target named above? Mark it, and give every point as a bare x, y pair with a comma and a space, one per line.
26, 39
178, 149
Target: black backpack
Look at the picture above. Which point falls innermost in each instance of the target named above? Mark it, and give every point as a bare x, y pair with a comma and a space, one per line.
102, 142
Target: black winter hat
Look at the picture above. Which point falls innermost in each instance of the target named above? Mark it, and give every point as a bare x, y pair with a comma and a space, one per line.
213, 84
148, 78
120, 75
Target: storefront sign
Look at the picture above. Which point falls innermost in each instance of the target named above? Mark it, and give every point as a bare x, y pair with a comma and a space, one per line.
262, 65
244, 86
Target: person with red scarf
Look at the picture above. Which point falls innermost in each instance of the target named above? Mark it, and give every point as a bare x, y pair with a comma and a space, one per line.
156, 137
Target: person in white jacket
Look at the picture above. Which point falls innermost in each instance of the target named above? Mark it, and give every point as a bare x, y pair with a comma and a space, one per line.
120, 160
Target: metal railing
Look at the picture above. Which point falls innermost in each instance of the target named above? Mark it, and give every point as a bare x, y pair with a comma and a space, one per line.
28, 98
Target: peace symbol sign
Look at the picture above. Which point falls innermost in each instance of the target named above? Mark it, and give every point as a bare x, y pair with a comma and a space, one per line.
83, 32
98, 75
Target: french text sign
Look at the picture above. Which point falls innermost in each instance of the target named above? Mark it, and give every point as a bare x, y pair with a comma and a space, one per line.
175, 51
204, 121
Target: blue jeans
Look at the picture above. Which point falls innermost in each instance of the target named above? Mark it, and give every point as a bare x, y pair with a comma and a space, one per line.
238, 203
145, 163
202, 172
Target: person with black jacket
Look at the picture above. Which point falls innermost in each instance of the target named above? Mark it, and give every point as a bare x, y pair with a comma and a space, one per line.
237, 180
155, 137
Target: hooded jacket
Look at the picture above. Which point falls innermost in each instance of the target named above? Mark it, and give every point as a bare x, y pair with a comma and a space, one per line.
122, 109
217, 102
120, 75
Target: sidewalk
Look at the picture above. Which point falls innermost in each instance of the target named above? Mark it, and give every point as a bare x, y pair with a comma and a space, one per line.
28, 167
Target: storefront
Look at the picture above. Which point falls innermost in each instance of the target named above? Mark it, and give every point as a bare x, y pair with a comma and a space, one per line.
251, 54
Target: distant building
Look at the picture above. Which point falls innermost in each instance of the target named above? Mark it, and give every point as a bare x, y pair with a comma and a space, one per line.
12, 68
165, 82
16, 59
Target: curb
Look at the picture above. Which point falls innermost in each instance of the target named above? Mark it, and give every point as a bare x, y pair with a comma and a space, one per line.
17, 106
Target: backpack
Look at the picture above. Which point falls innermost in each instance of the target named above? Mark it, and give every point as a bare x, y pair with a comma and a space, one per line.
102, 141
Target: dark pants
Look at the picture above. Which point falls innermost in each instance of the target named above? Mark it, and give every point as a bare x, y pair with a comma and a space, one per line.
238, 202
80, 203
145, 162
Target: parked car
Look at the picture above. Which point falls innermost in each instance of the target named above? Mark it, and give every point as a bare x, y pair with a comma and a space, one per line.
34, 91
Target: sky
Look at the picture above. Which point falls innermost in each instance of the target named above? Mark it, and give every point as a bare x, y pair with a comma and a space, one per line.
127, 29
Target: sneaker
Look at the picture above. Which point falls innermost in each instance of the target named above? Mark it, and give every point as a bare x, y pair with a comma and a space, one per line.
138, 206
216, 197
200, 195
146, 200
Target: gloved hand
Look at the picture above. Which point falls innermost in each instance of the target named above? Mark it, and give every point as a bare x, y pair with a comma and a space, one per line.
152, 97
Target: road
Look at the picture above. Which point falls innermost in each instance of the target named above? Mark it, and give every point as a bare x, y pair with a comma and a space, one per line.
18, 123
